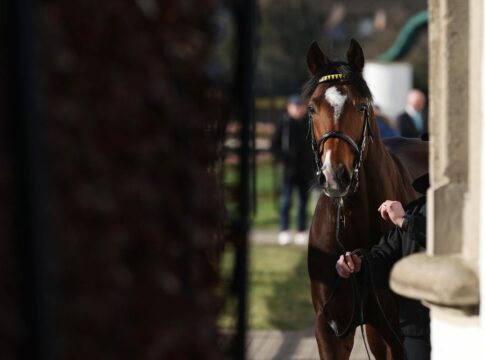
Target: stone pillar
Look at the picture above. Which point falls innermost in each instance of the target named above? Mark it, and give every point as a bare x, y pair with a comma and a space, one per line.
448, 124
447, 277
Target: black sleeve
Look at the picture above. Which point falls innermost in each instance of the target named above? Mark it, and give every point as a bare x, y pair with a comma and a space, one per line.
381, 258
416, 228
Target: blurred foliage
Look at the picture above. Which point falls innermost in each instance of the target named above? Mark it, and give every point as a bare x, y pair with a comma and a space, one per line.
133, 127
285, 29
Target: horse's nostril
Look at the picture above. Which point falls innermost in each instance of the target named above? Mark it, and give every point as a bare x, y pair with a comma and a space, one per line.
343, 175
322, 179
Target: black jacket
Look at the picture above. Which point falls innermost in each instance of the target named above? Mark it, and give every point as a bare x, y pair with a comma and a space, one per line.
406, 125
413, 316
291, 146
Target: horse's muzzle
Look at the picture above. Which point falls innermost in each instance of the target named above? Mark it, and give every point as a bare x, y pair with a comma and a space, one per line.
335, 183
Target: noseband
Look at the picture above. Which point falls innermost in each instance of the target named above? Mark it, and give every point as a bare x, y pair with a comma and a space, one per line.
317, 145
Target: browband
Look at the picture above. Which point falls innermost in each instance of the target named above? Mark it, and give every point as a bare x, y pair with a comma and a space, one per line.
332, 77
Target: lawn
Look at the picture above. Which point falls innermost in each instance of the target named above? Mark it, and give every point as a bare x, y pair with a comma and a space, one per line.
279, 289
268, 179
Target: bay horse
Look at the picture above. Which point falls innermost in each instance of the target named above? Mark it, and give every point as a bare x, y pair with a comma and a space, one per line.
357, 172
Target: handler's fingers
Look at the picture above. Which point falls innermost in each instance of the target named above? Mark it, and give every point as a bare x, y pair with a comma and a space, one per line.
342, 268
383, 205
342, 273
384, 213
357, 262
343, 264
349, 261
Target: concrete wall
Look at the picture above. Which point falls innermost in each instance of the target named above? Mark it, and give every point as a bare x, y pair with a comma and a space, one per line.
457, 65
447, 278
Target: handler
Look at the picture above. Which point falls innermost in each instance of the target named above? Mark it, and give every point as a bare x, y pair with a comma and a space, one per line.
407, 238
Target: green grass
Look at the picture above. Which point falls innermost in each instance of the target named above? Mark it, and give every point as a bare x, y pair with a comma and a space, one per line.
268, 182
279, 289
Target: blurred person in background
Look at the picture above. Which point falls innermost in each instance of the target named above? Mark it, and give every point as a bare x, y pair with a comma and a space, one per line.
413, 122
291, 147
386, 127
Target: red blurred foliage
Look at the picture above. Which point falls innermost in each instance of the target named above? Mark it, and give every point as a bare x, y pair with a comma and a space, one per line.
135, 205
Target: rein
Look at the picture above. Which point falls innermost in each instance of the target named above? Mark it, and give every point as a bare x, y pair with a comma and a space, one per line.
357, 295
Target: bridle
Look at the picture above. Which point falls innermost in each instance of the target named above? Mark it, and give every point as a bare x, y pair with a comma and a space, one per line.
359, 149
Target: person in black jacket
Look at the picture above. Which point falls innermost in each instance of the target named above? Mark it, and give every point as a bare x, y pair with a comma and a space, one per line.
291, 147
413, 122
407, 238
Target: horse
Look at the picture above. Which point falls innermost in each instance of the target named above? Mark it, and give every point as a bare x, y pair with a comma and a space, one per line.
356, 172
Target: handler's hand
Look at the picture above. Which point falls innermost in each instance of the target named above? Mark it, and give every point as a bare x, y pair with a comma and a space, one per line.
393, 211
348, 264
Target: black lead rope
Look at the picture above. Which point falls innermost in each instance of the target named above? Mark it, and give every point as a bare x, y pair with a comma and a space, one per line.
357, 297
373, 288
340, 224
361, 325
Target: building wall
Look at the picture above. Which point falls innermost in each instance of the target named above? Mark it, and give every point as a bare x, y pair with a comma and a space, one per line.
458, 168
447, 278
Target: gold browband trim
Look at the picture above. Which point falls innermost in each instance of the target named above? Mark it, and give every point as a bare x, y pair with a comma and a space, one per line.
332, 77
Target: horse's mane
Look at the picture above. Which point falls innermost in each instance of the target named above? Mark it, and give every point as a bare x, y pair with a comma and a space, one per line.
338, 67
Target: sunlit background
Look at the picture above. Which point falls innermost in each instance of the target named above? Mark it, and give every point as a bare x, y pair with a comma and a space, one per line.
394, 37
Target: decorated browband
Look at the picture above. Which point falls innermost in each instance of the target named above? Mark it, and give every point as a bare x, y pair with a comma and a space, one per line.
331, 77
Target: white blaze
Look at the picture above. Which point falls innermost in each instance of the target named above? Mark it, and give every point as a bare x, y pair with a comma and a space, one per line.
337, 100
327, 170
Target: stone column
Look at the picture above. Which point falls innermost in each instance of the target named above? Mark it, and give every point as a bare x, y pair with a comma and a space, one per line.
447, 277
448, 83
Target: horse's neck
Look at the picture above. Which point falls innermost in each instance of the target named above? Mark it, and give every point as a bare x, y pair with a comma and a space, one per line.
386, 177
382, 178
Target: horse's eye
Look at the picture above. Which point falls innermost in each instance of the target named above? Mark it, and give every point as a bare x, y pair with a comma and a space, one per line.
311, 110
362, 107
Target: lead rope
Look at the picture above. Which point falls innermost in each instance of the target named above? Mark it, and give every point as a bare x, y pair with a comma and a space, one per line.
373, 287
358, 299
341, 220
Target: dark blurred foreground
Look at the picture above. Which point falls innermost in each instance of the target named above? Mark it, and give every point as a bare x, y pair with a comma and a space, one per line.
110, 209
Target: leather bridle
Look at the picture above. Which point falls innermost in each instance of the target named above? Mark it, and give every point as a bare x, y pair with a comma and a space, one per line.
359, 149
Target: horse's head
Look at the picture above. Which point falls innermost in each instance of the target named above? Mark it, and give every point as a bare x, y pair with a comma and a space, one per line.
339, 106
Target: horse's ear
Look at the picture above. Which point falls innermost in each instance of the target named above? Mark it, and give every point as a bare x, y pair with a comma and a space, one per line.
315, 58
355, 56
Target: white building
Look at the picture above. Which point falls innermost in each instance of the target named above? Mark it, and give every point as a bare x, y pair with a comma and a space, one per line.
390, 83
